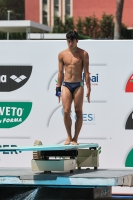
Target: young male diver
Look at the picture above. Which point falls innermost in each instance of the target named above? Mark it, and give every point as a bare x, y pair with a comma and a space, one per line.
71, 63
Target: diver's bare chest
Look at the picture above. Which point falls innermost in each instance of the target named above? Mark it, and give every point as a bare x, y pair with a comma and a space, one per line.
72, 59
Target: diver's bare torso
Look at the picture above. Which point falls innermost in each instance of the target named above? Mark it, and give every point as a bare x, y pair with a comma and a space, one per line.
73, 65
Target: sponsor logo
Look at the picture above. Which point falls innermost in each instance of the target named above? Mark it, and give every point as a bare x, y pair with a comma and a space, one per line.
129, 85
86, 117
94, 79
13, 113
129, 122
62, 111
9, 152
13, 77
18, 79
129, 159
3, 78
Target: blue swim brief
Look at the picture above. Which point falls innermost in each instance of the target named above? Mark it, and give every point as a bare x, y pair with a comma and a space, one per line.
72, 86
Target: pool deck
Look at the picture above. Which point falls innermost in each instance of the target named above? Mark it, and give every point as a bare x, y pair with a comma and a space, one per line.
79, 178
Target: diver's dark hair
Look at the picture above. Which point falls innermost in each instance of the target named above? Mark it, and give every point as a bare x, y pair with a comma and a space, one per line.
71, 35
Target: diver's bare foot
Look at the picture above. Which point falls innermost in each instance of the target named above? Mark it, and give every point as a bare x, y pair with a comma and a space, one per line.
74, 143
68, 141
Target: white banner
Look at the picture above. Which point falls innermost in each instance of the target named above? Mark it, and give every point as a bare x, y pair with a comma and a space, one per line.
29, 109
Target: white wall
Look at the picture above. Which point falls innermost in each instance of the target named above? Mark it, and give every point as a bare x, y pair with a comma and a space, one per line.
110, 61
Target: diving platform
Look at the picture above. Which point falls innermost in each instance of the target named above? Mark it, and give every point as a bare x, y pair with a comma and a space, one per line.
79, 178
60, 157
98, 183
65, 166
38, 146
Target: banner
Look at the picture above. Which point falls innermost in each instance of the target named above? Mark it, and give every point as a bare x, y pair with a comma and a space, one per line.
29, 109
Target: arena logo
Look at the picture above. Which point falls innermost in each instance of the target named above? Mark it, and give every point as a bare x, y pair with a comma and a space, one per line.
3, 78
129, 85
14, 77
18, 79
129, 122
13, 113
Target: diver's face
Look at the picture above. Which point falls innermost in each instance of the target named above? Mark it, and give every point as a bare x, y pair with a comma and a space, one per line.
72, 43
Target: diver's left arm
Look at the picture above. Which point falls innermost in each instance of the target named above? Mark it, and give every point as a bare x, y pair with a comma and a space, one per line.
87, 74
